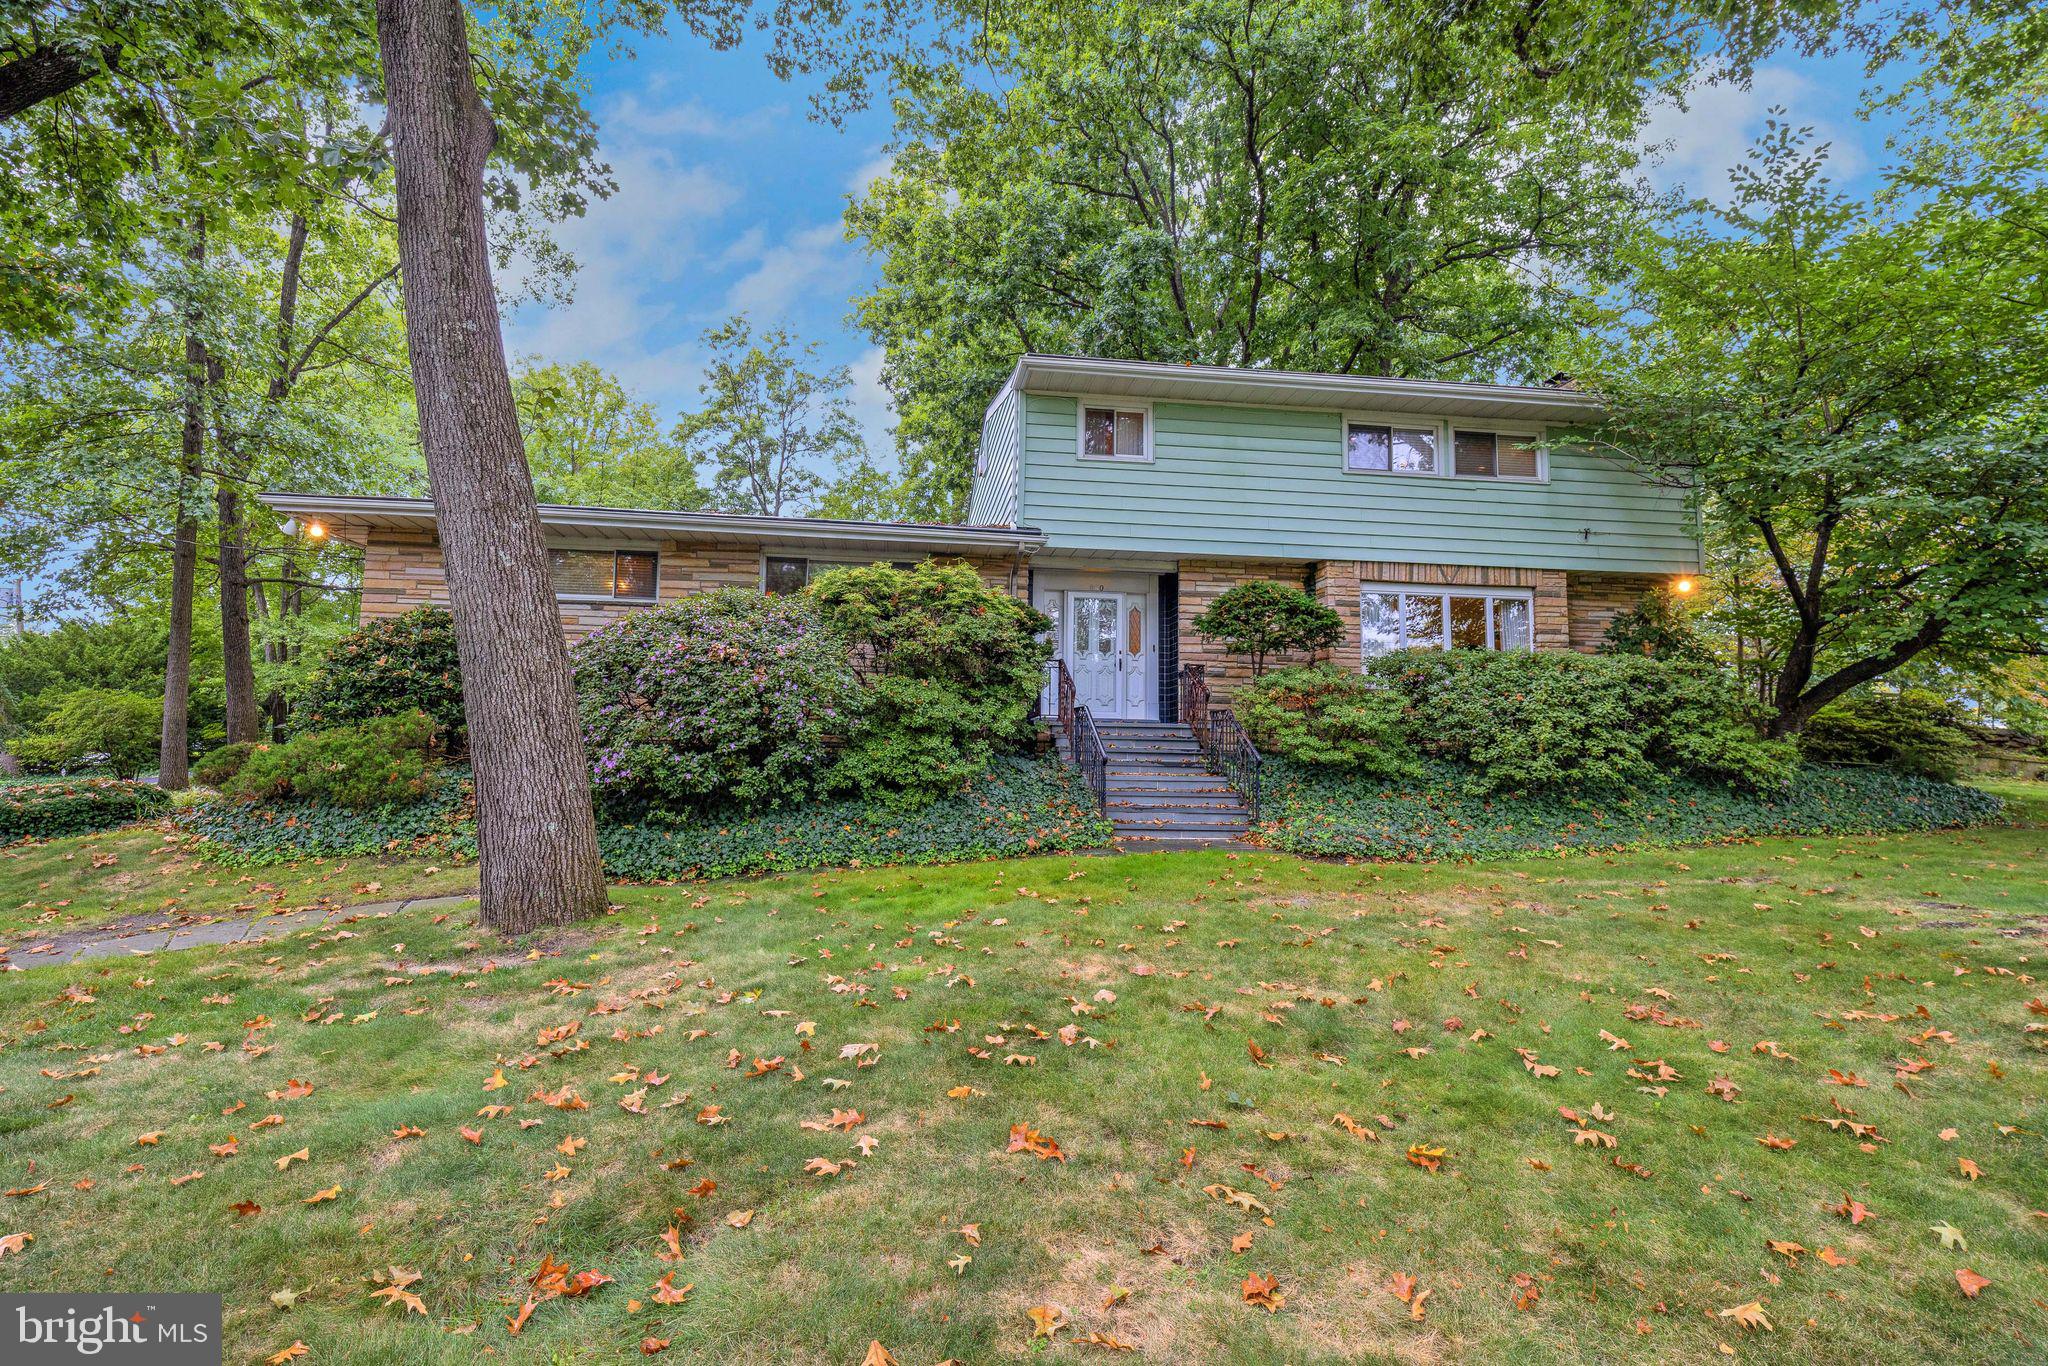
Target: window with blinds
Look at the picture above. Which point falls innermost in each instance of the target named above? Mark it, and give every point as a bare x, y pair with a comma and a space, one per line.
623, 575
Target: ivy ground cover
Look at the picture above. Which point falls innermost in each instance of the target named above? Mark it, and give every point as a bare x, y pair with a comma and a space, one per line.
1783, 1099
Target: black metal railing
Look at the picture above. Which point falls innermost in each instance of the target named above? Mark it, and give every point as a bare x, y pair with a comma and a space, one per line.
1228, 750
1084, 747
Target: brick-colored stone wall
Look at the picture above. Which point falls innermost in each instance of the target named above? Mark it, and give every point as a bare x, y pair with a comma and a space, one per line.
1201, 583
402, 570
1597, 599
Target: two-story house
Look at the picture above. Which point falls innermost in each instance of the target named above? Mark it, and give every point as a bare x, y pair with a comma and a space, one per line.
1121, 497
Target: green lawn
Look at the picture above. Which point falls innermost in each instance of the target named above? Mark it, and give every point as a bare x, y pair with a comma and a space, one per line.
1186, 1027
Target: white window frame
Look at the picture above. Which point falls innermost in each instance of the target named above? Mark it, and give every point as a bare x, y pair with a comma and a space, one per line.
1083, 402
1444, 593
609, 548
1518, 431
1414, 422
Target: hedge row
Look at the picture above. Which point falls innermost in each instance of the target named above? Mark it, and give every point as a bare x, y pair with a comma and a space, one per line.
47, 810
1433, 816
1019, 808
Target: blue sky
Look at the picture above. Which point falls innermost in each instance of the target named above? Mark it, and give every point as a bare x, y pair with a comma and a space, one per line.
731, 198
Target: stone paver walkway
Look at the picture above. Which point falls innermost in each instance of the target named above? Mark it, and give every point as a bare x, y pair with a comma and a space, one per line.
140, 936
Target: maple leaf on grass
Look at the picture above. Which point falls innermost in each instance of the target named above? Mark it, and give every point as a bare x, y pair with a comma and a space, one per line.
1749, 1315
878, 1355
289, 1354
1969, 1282
12, 1243
1263, 1291
1025, 1139
1046, 1320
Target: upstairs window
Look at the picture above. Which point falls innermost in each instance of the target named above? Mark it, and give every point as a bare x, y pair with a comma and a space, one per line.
1115, 433
1495, 455
1408, 618
1385, 448
619, 575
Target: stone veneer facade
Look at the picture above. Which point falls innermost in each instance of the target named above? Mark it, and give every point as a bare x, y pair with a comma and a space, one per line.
402, 570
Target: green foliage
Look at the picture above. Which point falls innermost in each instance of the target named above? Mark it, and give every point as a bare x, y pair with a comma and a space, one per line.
390, 667
1327, 717
949, 671
1260, 617
124, 726
123, 652
1657, 628
722, 696
378, 762
1440, 815
217, 766
1914, 731
768, 420
1534, 720
47, 810
1018, 808
590, 440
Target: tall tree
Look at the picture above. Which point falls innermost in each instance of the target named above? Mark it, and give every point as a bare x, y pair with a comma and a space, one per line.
771, 420
1382, 189
590, 440
536, 833
1857, 395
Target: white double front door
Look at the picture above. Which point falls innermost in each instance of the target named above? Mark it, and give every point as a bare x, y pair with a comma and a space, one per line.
1103, 640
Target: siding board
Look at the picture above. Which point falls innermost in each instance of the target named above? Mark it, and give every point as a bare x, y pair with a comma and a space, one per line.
1270, 483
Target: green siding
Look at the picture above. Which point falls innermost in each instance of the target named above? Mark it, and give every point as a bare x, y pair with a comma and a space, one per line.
1270, 483
993, 501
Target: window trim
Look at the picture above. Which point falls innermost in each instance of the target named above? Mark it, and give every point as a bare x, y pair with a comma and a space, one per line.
614, 550
1444, 593
809, 559
1446, 429
1083, 402
1414, 422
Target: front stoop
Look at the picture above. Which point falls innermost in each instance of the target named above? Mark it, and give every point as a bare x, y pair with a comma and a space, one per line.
1161, 790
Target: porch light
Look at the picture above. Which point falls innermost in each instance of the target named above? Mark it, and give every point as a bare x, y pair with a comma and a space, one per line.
316, 531
1683, 585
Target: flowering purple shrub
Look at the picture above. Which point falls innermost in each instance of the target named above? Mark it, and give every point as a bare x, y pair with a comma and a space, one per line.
724, 697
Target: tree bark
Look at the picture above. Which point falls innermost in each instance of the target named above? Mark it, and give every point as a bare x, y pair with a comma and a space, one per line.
174, 743
46, 73
237, 665
536, 835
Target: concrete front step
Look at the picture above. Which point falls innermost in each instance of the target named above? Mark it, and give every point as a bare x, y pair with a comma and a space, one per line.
1175, 801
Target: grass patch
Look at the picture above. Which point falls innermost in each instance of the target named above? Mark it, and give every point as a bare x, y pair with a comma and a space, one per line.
1397, 995
1312, 810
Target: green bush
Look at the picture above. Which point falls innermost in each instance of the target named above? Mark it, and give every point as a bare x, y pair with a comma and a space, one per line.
390, 667
1262, 618
1526, 720
381, 762
47, 810
1017, 808
1327, 716
949, 670
726, 696
1438, 815
124, 726
1914, 731
1656, 628
215, 767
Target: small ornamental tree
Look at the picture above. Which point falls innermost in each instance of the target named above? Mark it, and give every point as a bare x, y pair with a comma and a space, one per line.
949, 669
720, 697
1261, 618
123, 726
390, 667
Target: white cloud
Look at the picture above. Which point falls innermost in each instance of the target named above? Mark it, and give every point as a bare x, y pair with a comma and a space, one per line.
873, 407
808, 261
1694, 145
868, 172
637, 117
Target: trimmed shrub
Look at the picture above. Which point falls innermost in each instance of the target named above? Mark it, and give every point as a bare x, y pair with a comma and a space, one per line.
391, 667
1914, 731
1526, 720
1017, 808
722, 696
124, 726
949, 670
47, 810
382, 762
1262, 618
217, 766
1439, 816
1329, 717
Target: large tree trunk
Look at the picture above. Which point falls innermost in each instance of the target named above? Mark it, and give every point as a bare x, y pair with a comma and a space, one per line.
174, 743
237, 666
536, 835
45, 73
